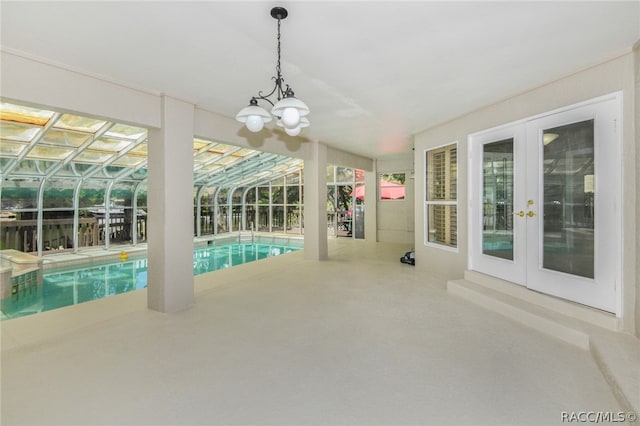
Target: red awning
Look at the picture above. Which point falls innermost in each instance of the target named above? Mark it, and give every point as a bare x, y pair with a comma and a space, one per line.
388, 191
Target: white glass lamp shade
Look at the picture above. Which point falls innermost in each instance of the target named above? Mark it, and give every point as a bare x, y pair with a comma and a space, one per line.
254, 123
304, 122
290, 118
293, 132
286, 110
254, 117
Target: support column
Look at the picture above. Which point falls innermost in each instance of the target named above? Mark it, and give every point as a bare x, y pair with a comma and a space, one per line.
315, 204
134, 215
40, 218
170, 203
230, 208
243, 226
76, 216
199, 211
371, 204
107, 216
215, 211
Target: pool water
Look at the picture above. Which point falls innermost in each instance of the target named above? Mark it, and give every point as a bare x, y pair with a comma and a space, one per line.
83, 284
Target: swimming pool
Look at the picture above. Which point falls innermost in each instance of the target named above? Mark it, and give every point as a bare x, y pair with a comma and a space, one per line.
71, 286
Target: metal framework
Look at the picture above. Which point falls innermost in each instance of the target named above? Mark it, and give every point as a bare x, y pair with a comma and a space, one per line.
42, 150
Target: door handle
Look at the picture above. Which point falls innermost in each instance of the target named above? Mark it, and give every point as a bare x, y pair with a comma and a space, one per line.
530, 213
520, 213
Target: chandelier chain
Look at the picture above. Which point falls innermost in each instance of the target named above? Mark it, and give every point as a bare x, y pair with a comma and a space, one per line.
278, 70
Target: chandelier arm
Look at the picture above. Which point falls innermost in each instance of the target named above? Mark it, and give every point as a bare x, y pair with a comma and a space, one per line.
264, 98
261, 95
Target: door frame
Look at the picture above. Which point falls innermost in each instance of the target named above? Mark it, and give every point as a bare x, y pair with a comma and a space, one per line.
614, 192
509, 270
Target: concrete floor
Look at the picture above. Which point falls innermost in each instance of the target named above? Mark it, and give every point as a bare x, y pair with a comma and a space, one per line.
360, 339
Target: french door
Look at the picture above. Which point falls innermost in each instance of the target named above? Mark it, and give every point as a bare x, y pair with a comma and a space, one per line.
545, 203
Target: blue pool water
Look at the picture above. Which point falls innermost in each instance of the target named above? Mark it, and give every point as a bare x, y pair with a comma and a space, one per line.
82, 284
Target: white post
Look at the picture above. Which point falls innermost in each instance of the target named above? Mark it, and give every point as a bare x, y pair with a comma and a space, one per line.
170, 202
371, 204
315, 204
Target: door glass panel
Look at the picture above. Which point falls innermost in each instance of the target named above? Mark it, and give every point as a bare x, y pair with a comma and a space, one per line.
569, 190
497, 193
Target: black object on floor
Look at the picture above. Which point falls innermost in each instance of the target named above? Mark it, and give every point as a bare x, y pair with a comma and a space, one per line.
409, 258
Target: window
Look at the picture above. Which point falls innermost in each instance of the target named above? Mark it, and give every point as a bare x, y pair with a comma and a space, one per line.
392, 186
441, 201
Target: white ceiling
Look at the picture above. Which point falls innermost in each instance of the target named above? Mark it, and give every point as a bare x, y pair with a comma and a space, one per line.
373, 73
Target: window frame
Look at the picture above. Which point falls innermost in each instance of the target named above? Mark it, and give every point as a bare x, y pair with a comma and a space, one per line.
384, 200
428, 203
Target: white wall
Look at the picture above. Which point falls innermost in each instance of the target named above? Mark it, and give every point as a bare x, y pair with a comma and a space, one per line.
338, 157
396, 218
636, 114
608, 77
44, 85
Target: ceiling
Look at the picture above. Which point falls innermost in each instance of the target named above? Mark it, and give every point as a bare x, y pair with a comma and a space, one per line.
372, 73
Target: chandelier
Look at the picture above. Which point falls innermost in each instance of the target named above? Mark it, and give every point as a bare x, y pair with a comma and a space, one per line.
289, 111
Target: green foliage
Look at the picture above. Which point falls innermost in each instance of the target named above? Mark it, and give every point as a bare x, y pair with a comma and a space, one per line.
393, 177
91, 197
344, 197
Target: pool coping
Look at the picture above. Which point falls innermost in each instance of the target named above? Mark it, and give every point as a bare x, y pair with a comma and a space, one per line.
98, 255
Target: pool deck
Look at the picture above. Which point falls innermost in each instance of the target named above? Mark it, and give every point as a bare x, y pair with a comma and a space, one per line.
358, 339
